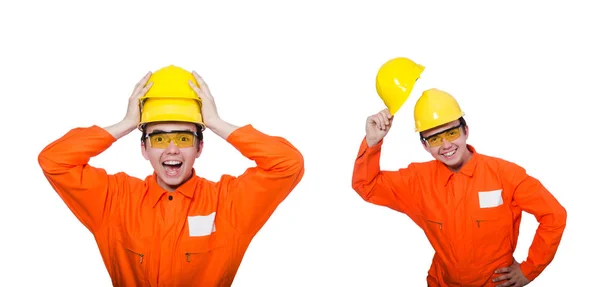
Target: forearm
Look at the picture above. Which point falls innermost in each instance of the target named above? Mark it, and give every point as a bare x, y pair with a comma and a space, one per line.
372, 142
75, 148
250, 198
542, 250
222, 128
366, 169
546, 240
534, 198
83, 188
392, 189
121, 129
271, 153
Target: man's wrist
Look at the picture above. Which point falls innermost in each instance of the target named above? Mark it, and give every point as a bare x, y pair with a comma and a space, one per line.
121, 128
372, 142
220, 127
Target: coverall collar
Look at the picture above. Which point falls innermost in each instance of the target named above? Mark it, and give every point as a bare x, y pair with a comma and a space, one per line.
467, 169
187, 188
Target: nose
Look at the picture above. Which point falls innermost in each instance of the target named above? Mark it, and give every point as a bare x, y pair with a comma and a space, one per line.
446, 144
172, 148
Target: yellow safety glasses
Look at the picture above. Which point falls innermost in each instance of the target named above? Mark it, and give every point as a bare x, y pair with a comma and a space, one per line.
437, 139
162, 139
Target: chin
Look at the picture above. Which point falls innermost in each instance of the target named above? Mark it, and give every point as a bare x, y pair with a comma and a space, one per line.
453, 160
173, 180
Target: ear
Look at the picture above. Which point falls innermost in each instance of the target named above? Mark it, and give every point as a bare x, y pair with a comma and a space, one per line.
200, 146
466, 132
144, 151
424, 146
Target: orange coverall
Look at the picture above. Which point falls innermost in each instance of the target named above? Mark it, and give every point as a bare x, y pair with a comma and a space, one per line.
195, 236
471, 217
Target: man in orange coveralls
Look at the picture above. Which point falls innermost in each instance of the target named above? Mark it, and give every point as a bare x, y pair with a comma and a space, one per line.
468, 204
174, 228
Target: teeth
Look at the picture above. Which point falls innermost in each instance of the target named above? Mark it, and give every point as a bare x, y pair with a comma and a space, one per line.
450, 153
172, 162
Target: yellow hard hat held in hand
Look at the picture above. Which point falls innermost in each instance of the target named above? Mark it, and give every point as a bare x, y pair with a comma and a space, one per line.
171, 98
395, 81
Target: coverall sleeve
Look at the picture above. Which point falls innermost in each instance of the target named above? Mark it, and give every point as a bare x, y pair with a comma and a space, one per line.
392, 189
532, 197
86, 190
249, 199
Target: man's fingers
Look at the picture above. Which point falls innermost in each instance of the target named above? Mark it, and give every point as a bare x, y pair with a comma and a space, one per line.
141, 84
387, 113
502, 278
385, 118
374, 120
201, 83
377, 121
197, 77
509, 283
384, 121
503, 270
143, 80
380, 121
145, 89
196, 89
201, 94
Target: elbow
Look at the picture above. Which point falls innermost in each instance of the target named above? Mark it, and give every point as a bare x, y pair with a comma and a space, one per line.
561, 216
291, 160
50, 166
556, 220
296, 163
44, 162
361, 188
292, 165
357, 185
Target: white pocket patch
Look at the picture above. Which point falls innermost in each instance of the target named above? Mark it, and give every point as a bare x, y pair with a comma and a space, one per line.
202, 225
489, 199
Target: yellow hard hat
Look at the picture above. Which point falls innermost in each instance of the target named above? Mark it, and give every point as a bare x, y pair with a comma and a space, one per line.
171, 82
171, 98
395, 80
435, 108
171, 109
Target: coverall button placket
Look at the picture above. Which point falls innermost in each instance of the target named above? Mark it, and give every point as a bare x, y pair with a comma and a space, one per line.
453, 198
172, 221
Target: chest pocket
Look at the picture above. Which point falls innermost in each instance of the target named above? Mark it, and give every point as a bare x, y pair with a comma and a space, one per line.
434, 226
130, 260
491, 221
203, 258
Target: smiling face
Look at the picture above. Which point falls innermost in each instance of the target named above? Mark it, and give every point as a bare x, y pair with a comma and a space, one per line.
448, 144
172, 149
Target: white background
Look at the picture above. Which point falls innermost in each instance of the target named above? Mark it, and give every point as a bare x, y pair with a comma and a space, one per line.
526, 74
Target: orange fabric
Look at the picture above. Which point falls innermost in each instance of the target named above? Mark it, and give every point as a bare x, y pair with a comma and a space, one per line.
143, 233
470, 242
